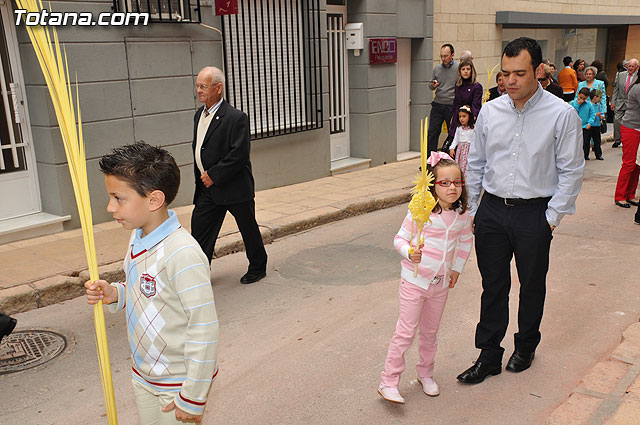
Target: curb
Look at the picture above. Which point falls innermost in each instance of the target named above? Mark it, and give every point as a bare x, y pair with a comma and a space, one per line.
55, 289
610, 392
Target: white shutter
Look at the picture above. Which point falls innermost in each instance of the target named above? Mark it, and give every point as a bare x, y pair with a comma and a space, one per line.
338, 112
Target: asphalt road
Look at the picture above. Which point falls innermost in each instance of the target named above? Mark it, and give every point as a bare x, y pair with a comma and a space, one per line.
306, 345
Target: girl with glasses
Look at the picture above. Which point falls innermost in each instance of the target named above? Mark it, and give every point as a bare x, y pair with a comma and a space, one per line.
440, 260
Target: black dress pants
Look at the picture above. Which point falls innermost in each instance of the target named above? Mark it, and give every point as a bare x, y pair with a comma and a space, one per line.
502, 231
206, 221
594, 133
439, 113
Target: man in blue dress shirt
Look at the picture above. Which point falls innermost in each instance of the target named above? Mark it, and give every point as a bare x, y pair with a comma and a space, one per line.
527, 156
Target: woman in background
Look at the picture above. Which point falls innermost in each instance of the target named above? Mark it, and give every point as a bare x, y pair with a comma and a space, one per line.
601, 75
579, 66
467, 92
592, 83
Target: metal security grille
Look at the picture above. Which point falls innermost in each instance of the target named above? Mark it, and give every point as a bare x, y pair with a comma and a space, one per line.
187, 11
337, 92
272, 62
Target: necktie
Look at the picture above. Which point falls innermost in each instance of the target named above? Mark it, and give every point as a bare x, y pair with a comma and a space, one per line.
626, 88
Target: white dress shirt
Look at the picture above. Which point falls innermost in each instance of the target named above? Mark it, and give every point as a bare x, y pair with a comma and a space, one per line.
203, 126
533, 153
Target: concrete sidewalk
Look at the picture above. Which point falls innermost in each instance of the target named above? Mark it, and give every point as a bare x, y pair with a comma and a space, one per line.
49, 269
609, 394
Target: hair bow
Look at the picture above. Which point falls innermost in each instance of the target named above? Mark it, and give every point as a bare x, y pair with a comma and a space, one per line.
435, 157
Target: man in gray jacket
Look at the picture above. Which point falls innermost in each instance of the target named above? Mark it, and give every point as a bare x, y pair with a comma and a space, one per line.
443, 81
619, 98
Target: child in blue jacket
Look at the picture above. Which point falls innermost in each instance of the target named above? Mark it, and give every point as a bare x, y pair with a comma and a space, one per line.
596, 140
587, 115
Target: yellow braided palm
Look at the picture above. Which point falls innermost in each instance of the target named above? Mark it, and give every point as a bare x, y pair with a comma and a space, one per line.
487, 94
422, 201
53, 63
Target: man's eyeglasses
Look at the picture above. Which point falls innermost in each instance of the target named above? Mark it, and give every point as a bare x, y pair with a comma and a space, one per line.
205, 86
447, 183
542, 79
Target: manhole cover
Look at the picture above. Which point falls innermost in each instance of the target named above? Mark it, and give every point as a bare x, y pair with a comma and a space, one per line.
29, 348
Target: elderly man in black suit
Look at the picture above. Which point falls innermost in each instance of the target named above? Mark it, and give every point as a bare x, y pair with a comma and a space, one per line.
224, 181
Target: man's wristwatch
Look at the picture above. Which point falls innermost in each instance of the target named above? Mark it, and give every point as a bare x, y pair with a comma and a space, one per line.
553, 227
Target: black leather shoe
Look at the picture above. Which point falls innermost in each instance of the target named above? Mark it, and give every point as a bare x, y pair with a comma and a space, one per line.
623, 204
615, 144
476, 373
600, 158
520, 361
7, 324
632, 202
252, 277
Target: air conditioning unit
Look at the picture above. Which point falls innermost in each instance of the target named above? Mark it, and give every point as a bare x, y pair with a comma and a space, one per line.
158, 9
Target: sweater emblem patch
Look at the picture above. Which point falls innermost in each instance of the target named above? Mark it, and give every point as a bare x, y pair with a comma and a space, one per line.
147, 285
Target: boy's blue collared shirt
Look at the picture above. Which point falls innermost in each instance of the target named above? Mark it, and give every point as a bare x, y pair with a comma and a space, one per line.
586, 112
597, 108
597, 85
140, 243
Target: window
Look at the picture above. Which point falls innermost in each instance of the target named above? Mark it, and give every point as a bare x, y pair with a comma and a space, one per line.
162, 10
272, 63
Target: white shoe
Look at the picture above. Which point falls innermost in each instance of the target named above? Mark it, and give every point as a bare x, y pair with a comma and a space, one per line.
391, 394
429, 387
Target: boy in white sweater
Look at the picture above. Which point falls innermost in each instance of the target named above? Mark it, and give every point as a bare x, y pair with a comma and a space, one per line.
171, 317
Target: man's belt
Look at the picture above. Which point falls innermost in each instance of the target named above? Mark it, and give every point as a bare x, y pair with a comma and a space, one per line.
516, 202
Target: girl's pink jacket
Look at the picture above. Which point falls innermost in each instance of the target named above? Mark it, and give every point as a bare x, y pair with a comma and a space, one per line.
445, 247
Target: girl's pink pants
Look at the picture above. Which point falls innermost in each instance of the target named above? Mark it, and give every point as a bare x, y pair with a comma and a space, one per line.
422, 309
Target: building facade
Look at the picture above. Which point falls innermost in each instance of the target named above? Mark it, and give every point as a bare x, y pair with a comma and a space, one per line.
317, 104
605, 31
315, 107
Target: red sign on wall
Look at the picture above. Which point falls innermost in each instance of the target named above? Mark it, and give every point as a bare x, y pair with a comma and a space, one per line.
226, 7
383, 50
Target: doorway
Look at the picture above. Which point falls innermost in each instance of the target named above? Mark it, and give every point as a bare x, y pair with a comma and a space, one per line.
18, 178
338, 83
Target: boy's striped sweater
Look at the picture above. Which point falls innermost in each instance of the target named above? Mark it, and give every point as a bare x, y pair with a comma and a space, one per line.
171, 317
